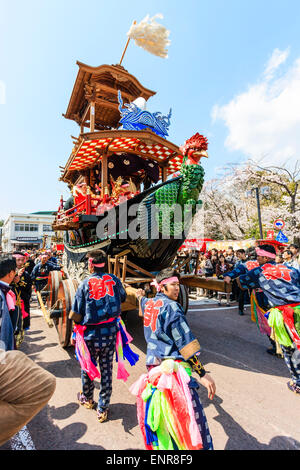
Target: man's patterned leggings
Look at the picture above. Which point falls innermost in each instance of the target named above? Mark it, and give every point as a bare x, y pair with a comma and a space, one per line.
102, 352
292, 360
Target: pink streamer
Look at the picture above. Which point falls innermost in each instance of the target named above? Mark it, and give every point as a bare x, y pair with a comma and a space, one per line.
264, 326
184, 379
135, 387
10, 300
24, 313
165, 381
122, 373
83, 354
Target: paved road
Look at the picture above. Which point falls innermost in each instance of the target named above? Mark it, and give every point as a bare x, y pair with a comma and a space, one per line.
253, 409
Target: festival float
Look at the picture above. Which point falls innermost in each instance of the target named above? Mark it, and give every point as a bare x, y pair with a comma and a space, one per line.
122, 172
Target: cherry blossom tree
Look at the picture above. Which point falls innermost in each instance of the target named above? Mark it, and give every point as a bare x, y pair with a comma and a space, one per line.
231, 213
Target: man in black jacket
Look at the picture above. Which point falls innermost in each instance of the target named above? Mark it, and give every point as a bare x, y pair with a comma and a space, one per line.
22, 287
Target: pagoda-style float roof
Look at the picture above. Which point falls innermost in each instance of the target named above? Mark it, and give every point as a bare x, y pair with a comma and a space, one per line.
100, 85
91, 146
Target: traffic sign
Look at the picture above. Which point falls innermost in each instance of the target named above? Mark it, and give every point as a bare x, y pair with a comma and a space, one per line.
281, 237
279, 224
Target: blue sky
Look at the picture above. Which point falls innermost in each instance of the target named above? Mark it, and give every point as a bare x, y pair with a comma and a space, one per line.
233, 74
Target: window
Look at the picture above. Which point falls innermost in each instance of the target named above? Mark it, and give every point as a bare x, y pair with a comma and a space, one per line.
47, 228
26, 227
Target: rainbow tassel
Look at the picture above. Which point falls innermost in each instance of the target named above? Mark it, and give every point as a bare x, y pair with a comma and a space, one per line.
259, 315
123, 351
167, 419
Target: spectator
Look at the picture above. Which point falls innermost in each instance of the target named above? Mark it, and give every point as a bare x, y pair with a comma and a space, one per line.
7, 301
208, 266
221, 268
208, 272
279, 258
230, 257
288, 259
30, 263
25, 388
295, 251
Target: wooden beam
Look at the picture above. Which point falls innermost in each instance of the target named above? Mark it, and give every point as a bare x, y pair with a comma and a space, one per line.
101, 87
211, 283
104, 174
138, 268
92, 116
85, 113
124, 260
164, 173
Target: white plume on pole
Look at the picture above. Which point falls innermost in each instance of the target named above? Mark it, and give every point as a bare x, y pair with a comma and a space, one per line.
151, 36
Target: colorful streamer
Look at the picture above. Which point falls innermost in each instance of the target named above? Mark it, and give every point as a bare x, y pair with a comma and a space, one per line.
165, 410
259, 316
123, 351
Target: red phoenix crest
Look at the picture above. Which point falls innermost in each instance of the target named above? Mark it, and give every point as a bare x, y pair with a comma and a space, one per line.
151, 313
98, 288
278, 271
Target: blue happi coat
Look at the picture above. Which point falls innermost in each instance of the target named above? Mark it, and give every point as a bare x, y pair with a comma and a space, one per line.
43, 270
99, 298
165, 328
279, 283
241, 267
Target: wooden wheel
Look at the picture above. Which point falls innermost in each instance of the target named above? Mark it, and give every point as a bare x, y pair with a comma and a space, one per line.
66, 294
183, 298
54, 280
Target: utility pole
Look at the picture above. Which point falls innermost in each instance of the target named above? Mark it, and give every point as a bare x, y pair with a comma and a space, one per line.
259, 213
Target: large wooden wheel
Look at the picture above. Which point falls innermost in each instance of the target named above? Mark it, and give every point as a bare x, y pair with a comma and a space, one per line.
183, 298
54, 280
65, 297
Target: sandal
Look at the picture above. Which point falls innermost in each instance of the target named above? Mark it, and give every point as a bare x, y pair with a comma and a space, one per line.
89, 404
102, 416
293, 387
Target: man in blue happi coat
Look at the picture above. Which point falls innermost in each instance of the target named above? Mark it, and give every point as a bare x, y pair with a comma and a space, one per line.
169, 336
96, 307
241, 266
280, 285
41, 272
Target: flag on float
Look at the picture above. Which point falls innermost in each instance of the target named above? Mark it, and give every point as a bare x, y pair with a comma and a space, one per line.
151, 36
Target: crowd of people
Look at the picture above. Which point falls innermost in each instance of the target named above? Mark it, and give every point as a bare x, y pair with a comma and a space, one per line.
169, 411
216, 263
25, 388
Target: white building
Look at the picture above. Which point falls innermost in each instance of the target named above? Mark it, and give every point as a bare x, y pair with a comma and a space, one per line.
27, 231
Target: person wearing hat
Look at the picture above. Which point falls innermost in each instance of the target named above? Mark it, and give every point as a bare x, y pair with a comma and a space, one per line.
280, 285
170, 413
